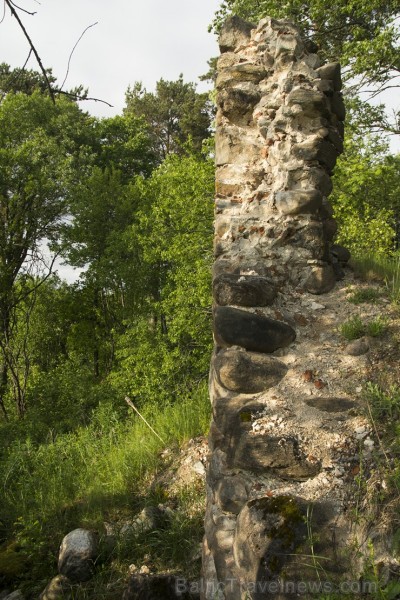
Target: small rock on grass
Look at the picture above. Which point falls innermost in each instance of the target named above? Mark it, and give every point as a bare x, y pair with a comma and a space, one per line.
357, 347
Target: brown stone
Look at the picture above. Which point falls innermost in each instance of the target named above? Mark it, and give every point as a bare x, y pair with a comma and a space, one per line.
321, 280
248, 372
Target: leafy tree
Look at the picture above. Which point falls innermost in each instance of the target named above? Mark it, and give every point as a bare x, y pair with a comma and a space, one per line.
42, 155
174, 113
124, 143
366, 197
166, 347
22, 80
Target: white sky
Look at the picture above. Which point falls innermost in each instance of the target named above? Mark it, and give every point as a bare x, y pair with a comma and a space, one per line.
135, 40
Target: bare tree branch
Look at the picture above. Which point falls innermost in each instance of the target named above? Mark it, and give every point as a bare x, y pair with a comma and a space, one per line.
4, 12
15, 14
23, 9
52, 91
73, 50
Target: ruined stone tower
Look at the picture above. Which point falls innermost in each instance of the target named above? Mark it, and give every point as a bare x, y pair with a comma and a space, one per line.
279, 131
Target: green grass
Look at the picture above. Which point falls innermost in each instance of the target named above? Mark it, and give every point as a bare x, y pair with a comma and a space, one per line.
352, 329
355, 328
380, 268
81, 478
370, 295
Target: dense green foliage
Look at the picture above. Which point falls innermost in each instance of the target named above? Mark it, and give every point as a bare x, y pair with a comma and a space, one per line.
137, 322
366, 198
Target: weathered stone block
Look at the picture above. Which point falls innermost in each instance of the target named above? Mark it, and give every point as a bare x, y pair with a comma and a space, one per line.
237, 103
322, 151
231, 493
331, 71
342, 254
330, 229
298, 201
241, 72
338, 106
289, 44
312, 102
243, 290
261, 452
235, 327
268, 532
248, 372
321, 280
333, 405
235, 31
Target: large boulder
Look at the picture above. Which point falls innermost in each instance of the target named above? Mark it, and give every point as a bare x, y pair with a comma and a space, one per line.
78, 552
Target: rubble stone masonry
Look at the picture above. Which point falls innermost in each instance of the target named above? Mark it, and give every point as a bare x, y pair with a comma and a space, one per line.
271, 526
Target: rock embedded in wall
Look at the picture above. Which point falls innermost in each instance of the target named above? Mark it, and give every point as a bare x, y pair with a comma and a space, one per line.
279, 131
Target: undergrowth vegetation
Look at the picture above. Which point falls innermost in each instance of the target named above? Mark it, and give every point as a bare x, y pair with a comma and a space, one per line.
86, 476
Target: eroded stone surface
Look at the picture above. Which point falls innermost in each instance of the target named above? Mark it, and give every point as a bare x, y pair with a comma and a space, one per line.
243, 290
248, 372
255, 332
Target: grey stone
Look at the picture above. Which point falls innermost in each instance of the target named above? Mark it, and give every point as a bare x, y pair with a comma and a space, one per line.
357, 347
341, 253
231, 493
321, 280
338, 106
248, 372
324, 152
78, 551
243, 290
234, 31
268, 532
59, 588
298, 201
235, 327
331, 71
263, 452
333, 405
312, 102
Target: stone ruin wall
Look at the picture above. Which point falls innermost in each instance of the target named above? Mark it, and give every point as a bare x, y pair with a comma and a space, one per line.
279, 130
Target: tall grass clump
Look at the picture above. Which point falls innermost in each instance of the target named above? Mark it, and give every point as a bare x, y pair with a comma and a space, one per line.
76, 478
